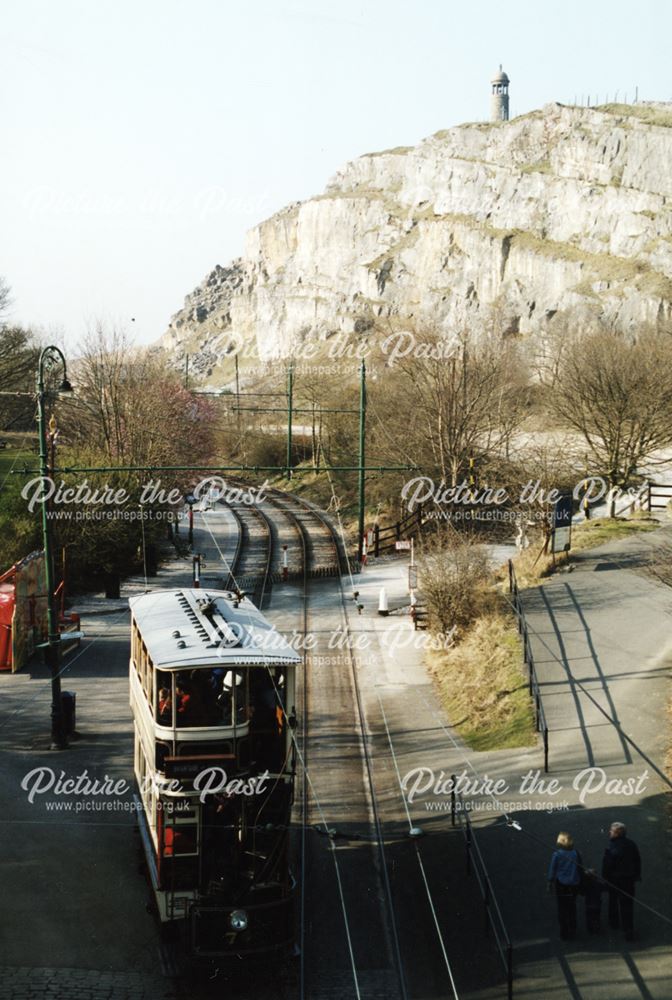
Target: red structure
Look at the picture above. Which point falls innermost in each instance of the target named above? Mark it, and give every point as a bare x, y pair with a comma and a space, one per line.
23, 611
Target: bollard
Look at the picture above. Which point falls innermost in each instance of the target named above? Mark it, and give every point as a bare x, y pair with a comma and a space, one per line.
382, 603
285, 564
69, 712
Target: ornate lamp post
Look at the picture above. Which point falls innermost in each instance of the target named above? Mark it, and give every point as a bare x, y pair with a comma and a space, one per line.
50, 357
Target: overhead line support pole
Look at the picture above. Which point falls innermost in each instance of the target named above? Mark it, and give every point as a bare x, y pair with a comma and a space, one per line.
362, 458
290, 391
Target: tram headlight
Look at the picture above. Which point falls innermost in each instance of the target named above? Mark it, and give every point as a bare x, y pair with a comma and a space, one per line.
238, 920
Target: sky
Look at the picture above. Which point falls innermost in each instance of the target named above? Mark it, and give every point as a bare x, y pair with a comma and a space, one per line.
141, 140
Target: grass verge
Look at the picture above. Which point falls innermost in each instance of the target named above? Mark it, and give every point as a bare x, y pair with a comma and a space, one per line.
482, 686
590, 534
531, 567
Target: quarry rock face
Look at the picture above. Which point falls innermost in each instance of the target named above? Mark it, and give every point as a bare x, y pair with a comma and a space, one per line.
502, 226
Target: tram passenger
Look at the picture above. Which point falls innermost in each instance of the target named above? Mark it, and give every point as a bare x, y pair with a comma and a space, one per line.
183, 703
225, 704
232, 697
216, 677
165, 706
201, 698
264, 728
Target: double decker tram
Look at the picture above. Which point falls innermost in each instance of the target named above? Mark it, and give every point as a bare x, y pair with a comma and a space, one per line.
212, 691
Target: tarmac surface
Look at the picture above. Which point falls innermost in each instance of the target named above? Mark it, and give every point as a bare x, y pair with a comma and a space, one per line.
74, 918
602, 644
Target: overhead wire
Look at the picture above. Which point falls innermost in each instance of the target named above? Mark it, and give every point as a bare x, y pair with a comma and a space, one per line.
418, 854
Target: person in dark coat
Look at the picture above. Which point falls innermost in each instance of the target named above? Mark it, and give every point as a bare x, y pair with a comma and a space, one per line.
564, 875
621, 868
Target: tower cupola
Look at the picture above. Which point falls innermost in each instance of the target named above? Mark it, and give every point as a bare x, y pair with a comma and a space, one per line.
499, 101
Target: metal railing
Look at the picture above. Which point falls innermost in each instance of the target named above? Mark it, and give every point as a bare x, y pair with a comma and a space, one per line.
528, 658
384, 538
477, 866
657, 492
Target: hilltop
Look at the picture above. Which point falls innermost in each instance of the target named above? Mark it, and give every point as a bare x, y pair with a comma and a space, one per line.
487, 225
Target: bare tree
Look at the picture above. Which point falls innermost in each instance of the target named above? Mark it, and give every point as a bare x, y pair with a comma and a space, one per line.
549, 347
461, 399
133, 408
18, 361
618, 395
5, 301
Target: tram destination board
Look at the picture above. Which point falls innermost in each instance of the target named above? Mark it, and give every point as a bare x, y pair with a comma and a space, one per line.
188, 767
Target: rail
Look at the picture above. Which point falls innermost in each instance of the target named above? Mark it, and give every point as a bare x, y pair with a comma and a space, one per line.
655, 493
384, 539
528, 659
475, 863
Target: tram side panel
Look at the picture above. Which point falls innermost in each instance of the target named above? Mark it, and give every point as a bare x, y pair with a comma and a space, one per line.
218, 861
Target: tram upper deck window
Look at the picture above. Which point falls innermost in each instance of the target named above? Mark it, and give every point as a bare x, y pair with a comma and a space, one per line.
212, 697
165, 698
146, 672
134, 644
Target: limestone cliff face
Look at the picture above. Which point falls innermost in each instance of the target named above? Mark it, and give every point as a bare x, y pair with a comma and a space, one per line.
502, 224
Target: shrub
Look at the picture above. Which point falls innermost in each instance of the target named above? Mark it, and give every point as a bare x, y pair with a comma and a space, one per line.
454, 578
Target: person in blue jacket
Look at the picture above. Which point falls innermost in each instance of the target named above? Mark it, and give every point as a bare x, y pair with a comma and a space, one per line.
564, 875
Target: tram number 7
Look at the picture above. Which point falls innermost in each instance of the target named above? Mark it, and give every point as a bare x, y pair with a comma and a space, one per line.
231, 937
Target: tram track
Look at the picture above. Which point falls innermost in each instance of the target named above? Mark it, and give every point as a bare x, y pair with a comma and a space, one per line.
352, 885
317, 551
250, 569
314, 561
444, 981
324, 553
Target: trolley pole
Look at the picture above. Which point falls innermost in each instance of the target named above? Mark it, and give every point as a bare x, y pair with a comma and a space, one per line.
49, 357
362, 458
290, 393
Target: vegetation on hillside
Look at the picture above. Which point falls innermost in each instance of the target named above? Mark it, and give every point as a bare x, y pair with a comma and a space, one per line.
128, 409
650, 114
442, 410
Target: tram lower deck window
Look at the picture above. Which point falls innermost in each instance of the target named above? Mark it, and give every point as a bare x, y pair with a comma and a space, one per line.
161, 751
179, 840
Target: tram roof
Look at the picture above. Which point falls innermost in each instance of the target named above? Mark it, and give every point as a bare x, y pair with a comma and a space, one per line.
214, 627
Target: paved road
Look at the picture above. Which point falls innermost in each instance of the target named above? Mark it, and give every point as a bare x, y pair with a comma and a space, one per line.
74, 921
602, 642
608, 627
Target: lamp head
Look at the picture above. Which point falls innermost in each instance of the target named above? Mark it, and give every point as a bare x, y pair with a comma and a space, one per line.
65, 386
